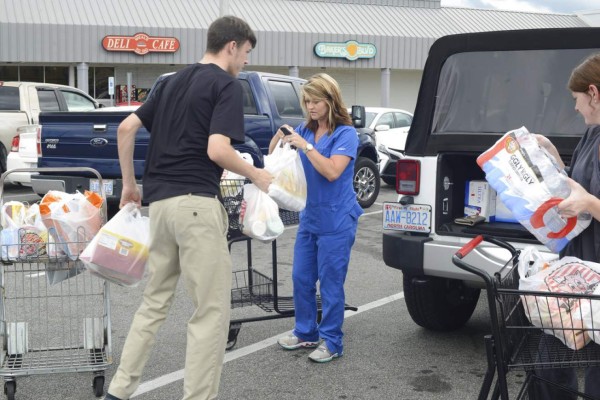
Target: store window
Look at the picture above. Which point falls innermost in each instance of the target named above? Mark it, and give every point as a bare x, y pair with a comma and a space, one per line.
98, 81
9, 73
31, 74
59, 75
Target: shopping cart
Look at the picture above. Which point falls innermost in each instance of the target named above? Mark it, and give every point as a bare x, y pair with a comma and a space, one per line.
251, 287
515, 344
54, 315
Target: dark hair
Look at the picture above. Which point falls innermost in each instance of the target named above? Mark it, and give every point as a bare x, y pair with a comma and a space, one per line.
585, 74
227, 29
323, 87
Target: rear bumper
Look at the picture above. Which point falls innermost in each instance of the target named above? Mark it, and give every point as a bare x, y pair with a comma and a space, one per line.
14, 161
41, 184
404, 252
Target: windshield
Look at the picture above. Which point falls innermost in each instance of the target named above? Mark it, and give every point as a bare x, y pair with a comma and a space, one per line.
494, 92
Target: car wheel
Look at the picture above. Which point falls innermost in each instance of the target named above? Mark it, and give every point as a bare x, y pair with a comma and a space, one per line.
3, 156
389, 181
366, 182
439, 304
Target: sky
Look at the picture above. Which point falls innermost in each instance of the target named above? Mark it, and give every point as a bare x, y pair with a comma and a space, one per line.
544, 6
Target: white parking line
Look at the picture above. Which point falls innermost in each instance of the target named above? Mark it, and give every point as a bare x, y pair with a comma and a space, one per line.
253, 348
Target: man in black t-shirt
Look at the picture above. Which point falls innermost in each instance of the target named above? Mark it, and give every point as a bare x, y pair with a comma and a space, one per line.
193, 120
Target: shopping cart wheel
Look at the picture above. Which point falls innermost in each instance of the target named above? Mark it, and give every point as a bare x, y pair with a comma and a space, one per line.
234, 330
10, 389
98, 385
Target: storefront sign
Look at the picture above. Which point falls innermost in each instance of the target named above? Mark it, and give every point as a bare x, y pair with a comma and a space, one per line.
141, 44
350, 50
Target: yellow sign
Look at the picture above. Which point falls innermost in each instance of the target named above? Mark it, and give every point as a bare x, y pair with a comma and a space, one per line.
350, 50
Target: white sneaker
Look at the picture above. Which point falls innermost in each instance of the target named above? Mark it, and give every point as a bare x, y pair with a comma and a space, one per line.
293, 342
322, 354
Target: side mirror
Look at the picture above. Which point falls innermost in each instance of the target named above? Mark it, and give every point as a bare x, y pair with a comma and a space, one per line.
358, 116
382, 128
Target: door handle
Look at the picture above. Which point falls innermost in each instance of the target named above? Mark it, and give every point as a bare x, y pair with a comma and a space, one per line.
100, 127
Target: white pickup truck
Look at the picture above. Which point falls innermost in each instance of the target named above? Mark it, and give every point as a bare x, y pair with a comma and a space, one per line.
22, 102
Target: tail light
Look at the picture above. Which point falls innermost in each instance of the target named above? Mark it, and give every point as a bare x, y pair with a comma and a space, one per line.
408, 177
14, 146
39, 140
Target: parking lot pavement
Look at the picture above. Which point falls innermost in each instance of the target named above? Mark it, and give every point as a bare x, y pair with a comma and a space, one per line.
387, 356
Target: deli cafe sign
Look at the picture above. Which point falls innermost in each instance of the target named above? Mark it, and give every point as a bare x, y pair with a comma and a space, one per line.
141, 44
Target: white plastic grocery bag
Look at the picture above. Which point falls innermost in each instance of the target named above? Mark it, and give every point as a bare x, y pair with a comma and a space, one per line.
119, 252
530, 184
559, 316
259, 215
288, 188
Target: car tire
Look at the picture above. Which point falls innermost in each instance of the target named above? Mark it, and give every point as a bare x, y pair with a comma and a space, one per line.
389, 181
439, 304
3, 158
366, 181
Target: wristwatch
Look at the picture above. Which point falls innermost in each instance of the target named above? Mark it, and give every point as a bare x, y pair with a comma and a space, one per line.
308, 148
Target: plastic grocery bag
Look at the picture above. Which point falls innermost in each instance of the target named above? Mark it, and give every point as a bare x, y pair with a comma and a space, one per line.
119, 252
259, 215
12, 217
590, 311
75, 218
530, 184
559, 316
230, 181
288, 188
23, 235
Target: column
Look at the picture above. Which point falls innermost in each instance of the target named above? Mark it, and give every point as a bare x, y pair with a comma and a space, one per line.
71, 75
385, 87
82, 77
294, 71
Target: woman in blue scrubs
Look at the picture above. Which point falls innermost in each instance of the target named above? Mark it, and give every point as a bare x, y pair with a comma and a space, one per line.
328, 144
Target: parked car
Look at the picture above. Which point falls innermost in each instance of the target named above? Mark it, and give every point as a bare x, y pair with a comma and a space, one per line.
475, 88
391, 127
22, 102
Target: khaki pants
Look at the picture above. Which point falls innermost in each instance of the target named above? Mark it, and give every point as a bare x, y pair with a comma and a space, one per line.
188, 237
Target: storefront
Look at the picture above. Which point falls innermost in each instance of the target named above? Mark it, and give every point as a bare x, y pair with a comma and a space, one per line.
376, 49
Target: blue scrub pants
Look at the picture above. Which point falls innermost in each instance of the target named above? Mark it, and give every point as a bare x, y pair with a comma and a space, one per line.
322, 257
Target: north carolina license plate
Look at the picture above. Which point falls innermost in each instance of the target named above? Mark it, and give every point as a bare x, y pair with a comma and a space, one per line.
407, 218
107, 183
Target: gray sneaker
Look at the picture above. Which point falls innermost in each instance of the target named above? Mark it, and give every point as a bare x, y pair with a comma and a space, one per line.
322, 354
293, 342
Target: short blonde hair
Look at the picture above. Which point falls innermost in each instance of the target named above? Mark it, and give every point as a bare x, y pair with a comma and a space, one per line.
323, 87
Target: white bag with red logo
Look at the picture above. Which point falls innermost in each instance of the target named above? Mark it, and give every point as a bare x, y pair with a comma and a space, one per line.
562, 317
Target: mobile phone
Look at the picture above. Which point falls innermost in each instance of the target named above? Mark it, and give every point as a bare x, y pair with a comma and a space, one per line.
285, 130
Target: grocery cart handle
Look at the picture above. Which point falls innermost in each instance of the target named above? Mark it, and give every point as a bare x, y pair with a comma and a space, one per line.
467, 248
50, 169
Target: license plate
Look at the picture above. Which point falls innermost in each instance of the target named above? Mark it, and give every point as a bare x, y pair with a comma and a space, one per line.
107, 183
407, 218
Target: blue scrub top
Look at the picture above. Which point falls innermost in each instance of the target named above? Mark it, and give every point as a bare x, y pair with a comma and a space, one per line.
329, 204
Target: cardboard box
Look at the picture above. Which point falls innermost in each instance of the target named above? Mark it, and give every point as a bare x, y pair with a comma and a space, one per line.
480, 199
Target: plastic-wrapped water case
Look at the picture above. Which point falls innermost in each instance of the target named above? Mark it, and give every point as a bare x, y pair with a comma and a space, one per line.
530, 183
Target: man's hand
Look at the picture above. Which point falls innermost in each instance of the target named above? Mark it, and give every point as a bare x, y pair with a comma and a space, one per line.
130, 194
262, 179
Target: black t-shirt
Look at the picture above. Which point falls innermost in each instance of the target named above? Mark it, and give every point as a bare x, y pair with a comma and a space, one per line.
192, 104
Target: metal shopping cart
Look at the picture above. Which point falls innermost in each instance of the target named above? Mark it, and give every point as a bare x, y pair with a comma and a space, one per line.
251, 287
54, 315
515, 344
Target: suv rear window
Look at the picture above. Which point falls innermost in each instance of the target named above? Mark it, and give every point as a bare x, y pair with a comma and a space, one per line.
494, 92
9, 98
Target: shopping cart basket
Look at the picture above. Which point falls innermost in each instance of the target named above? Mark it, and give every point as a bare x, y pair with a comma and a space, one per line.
54, 315
251, 287
515, 344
